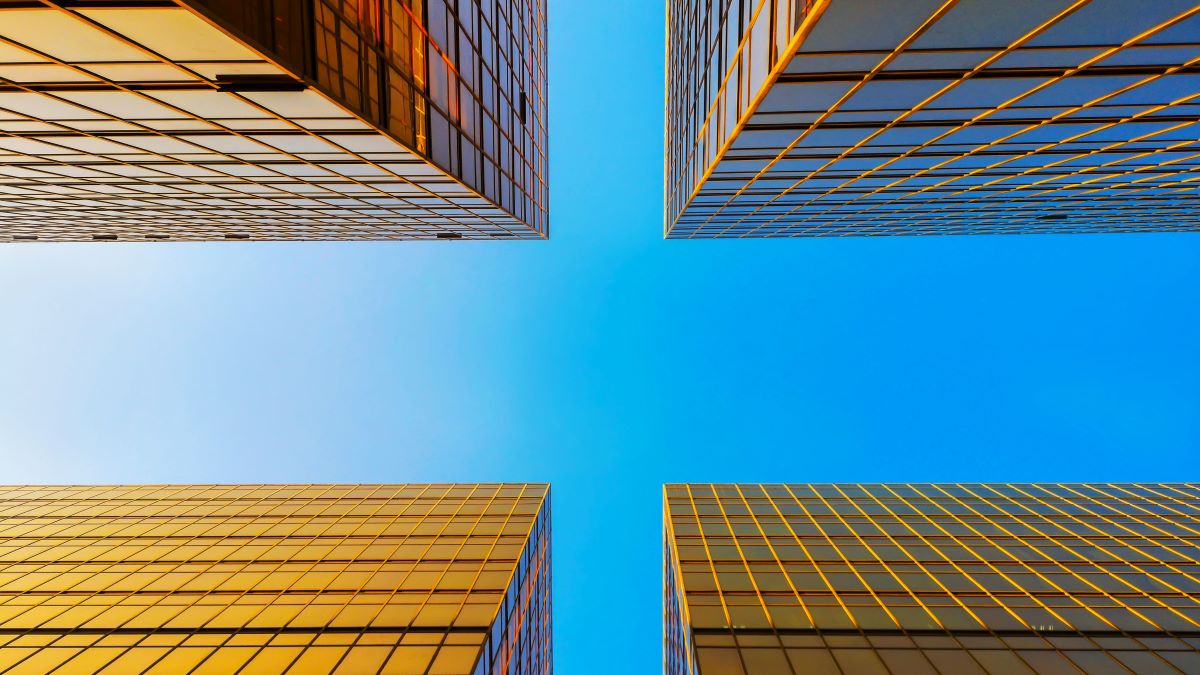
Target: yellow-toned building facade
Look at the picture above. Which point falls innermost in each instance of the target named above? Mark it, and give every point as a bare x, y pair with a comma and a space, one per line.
299, 579
949, 579
165, 120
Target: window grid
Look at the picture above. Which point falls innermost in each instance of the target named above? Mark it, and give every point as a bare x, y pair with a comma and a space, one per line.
450, 579
949, 578
1069, 118
466, 94
706, 43
217, 141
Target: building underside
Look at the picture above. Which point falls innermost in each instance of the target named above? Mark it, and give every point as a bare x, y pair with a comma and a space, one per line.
447, 579
917, 117
271, 119
932, 579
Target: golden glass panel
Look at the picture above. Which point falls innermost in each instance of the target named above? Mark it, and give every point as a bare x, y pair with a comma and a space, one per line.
962, 578
271, 579
449, 170
64, 37
177, 34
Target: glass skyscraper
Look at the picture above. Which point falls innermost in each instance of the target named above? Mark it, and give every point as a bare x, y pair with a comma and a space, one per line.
843, 117
272, 579
272, 119
950, 579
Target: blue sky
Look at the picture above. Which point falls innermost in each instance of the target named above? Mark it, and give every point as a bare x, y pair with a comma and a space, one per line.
606, 360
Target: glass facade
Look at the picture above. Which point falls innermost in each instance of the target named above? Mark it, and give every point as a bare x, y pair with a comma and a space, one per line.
835, 117
272, 119
956, 579
300, 579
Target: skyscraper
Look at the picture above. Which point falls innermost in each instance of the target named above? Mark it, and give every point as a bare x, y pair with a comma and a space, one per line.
912, 579
890, 117
272, 119
300, 579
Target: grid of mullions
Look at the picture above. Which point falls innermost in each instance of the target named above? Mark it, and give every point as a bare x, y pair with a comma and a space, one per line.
475, 66
269, 579
971, 578
522, 634
488, 112
719, 54
116, 124
948, 117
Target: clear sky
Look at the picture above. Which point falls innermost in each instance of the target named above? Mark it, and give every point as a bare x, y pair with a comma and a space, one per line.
605, 360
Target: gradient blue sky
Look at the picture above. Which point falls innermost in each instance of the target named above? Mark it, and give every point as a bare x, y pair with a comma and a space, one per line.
606, 360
